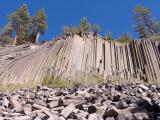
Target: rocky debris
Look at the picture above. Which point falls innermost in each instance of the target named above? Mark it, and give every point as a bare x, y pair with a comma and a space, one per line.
84, 103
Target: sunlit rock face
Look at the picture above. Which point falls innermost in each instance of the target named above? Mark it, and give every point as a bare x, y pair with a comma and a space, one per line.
69, 56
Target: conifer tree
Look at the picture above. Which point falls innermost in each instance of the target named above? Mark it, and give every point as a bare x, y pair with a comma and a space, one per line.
39, 24
20, 22
145, 25
84, 25
6, 35
109, 36
96, 29
125, 38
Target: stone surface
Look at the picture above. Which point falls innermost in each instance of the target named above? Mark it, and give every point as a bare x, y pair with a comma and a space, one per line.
71, 56
68, 110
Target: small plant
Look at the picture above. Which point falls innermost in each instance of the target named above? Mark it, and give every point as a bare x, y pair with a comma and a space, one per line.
79, 80
13, 87
55, 82
125, 38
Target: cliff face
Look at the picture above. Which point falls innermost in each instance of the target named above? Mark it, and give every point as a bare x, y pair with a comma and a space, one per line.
73, 55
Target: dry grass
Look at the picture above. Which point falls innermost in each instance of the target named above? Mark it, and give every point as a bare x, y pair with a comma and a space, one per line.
13, 87
76, 81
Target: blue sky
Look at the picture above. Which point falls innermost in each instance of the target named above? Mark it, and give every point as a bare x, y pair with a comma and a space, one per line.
112, 15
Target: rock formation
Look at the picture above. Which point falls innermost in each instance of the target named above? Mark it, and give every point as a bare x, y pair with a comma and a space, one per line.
69, 56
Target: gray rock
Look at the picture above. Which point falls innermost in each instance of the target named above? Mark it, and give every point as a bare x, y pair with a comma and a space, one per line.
121, 117
53, 104
143, 87
94, 116
110, 118
92, 109
68, 110
122, 105
5, 102
111, 111
16, 104
141, 116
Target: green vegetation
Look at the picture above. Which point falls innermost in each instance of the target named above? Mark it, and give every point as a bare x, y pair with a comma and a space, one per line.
55, 82
20, 22
109, 36
145, 24
79, 80
83, 28
96, 29
23, 28
71, 30
125, 38
13, 87
39, 24
6, 34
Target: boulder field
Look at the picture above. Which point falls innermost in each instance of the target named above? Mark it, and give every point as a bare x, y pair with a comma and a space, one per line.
97, 102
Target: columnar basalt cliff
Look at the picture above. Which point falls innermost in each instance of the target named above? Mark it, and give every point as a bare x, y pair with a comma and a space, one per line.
69, 56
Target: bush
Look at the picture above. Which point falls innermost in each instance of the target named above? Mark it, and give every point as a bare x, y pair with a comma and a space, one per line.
125, 38
55, 82
79, 80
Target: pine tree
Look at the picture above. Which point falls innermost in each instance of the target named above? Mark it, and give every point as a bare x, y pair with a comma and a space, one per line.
146, 25
39, 24
84, 25
20, 21
6, 35
96, 29
109, 36
125, 38
67, 30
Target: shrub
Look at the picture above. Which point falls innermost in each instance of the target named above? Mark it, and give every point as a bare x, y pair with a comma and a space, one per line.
79, 80
55, 82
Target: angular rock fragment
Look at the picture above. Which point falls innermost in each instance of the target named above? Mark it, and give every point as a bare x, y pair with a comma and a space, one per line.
110, 118
94, 116
5, 102
141, 116
16, 104
122, 105
111, 111
92, 109
143, 87
68, 110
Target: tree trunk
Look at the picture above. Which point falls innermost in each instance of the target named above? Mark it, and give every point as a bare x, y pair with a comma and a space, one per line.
148, 24
15, 40
36, 39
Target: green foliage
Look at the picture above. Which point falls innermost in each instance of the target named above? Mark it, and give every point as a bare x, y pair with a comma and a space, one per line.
85, 26
12, 87
145, 25
6, 38
20, 21
125, 38
71, 29
77, 81
109, 36
96, 29
24, 27
55, 82
6, 35
39, 22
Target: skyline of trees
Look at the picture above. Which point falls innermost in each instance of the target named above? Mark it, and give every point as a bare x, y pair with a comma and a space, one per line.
23, 28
